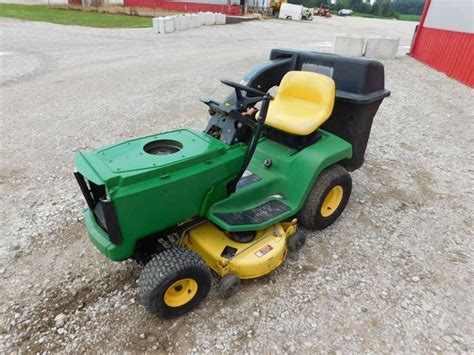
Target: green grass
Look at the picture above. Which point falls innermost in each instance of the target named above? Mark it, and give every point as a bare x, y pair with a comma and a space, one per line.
410, 17
362, 14
72, 17
401, 17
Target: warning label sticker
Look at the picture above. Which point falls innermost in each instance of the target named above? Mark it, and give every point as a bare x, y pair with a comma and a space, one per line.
247, 179
265, 250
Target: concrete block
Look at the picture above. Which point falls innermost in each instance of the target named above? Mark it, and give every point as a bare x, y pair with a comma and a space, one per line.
174, 19
182, 22
209, 19
220, 19
382, 47
188, 19
168, 25
194, 21
163, 25
156, 24
349, 45
201, 18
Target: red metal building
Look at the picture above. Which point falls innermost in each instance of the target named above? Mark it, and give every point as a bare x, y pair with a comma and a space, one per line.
229, 7
445, 38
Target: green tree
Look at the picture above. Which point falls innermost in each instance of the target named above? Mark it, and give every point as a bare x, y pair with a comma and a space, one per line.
375, 9
385, 9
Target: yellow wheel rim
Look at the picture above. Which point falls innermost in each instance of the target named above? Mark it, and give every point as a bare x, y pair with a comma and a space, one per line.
180, 292
332, 201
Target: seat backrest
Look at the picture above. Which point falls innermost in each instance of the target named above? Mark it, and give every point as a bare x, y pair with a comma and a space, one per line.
308, 86
304, 101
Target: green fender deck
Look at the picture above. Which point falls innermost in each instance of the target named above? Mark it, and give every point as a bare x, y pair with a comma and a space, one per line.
274, 193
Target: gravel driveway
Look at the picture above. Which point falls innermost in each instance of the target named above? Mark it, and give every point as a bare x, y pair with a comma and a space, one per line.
394, 274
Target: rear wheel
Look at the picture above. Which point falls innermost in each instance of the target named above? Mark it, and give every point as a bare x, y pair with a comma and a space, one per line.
327, 199
174, 282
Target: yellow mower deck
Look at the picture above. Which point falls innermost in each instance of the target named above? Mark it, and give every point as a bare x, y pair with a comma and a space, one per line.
246, 260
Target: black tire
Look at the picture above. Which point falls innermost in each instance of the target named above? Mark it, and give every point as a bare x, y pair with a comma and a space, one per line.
296, 241
229, 285
310, 215
166, 269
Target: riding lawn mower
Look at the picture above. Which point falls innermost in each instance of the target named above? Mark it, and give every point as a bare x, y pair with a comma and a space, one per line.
231, 200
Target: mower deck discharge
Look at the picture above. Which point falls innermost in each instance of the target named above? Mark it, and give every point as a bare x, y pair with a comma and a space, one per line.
227, 200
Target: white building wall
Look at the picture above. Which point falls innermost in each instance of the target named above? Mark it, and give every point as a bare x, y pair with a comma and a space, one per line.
451, 15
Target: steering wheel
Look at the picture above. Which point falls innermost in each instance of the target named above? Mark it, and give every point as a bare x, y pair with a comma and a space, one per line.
244, 101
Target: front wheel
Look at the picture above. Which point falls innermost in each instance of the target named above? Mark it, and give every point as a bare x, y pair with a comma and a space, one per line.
174, 282
327, 199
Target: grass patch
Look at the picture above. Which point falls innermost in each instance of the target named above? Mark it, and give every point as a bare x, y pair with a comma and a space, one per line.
72, 17
410, 17
362, 14
401, 17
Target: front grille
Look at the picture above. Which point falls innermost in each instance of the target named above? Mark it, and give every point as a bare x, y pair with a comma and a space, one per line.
103, 209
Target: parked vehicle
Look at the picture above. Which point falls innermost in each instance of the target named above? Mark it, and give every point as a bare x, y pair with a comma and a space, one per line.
291, 12
323, 11
345, 12
230, 199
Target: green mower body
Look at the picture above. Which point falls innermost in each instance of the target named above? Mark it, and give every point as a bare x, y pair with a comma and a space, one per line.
139, 193
147, 188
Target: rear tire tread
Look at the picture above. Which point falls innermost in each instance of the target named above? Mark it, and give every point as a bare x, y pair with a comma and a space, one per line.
310, 216
165, 268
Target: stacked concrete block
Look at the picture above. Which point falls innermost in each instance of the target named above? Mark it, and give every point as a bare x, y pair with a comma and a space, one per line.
194, 21
181, 22
188, 19
201, 18
382, 47
163, 24
168, 24
209, 19
220, 19
156, 26
349, 45
173, 19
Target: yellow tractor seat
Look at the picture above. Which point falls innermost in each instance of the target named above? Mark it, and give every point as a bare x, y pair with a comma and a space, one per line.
304, 101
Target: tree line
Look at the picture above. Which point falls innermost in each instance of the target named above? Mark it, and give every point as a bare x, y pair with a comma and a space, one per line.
384, 8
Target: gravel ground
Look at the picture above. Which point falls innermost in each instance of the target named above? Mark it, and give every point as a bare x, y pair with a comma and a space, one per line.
393, 274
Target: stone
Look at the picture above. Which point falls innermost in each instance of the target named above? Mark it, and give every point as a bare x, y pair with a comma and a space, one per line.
59, 320
448, 339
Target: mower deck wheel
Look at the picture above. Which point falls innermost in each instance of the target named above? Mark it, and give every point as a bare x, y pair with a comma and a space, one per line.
229, 285
174, 282
296, 241
327, 199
